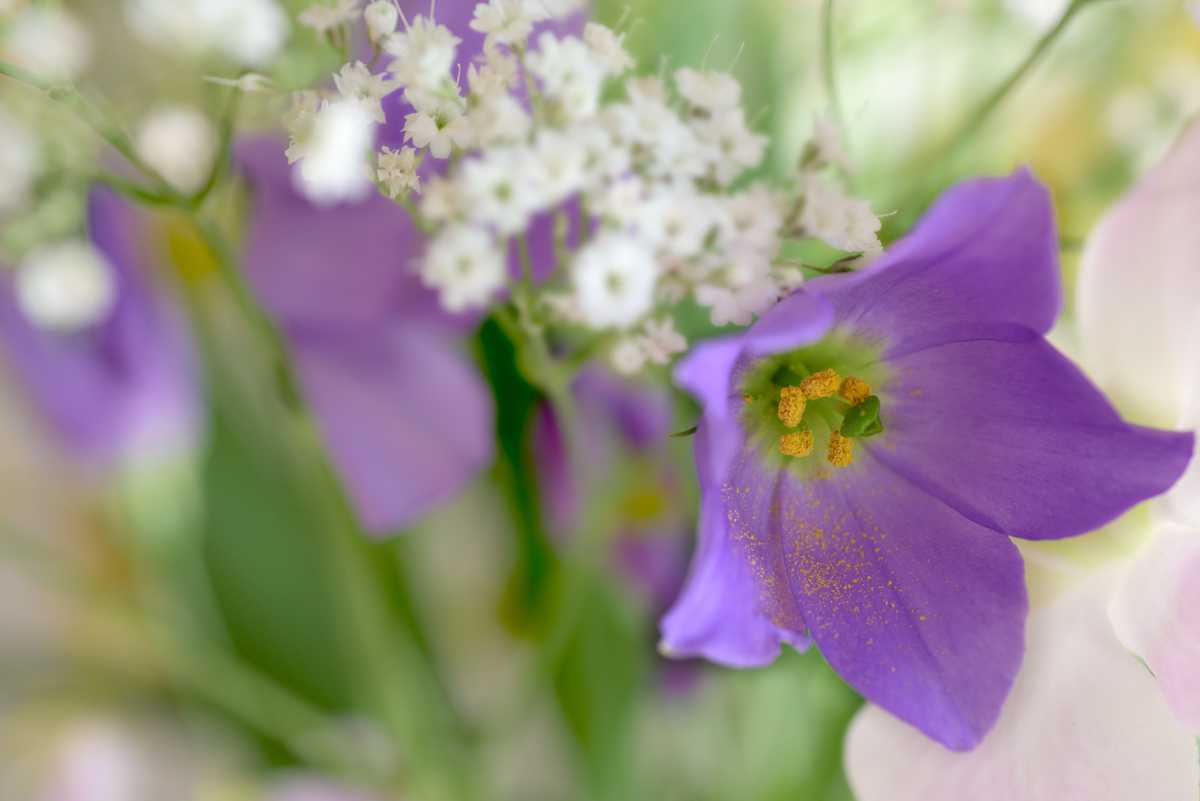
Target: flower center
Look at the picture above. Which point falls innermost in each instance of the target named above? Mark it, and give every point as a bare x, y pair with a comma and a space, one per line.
819, 394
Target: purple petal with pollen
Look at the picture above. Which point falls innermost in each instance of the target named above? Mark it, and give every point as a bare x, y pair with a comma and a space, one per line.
920, 610
1015, 438
405, 416
130, 383
982, 264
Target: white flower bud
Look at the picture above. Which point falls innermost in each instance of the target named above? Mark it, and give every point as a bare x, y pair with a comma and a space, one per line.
66, 286
180, 143
381, 17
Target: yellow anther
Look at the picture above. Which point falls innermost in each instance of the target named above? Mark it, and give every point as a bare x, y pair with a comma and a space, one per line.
791, 406
821, 385
840, 449
797, 443
855, 390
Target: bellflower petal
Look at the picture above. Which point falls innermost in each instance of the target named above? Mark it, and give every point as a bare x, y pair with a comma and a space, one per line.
407, 420
896, 559
1157, 616
981, 264
1015, 438
1084, 721
1138, 291
127, 385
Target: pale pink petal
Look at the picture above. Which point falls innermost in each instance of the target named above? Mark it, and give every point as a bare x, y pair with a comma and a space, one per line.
1085, 722
1157, 616
1139, 290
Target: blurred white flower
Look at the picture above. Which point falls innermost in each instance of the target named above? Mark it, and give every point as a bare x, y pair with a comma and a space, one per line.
437, 124
181, 143
398, 171
607, 48
755, 218
613, 278
826, 143
327, 21
842, 221
49, 40
499, 120
733, 148
20, 165
66, 286
676, 222
621, 201
248, 32
466, 267
738, 304
500, 189
441, 200
424, 54
569, 74
627, 356
495, 76
660, 341
559, 160
97, 761
355, 83
333, 152
508, 22
381, 17
711, 92
251, 82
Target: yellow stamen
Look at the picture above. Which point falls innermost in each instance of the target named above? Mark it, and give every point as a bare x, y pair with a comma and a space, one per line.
797, 443
855, 390
791, 406
839, 449
821, 385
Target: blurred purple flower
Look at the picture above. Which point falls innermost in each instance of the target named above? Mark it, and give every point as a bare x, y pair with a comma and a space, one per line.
899, 565
125, 386
407, 418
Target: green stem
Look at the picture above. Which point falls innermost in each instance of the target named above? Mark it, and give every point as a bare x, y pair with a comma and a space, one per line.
827, 61
25, 76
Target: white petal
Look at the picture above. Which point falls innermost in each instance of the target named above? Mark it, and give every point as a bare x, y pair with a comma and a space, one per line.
1085, 722
1139, 290
1182, 504
1157, 615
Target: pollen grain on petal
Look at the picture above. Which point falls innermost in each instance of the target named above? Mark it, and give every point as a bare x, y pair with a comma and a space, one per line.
821, 385
797, 443
840, 449
791, 406
854, 390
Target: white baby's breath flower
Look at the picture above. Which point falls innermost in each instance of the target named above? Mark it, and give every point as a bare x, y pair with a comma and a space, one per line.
508, 22
49, 40
437, 124
559, 161
826, 143
298, 122
181, 143
381, 17
737, 305
622, 201
709, 92
250, 83
569, 74
327, 21
660, 341
333, 165
862, 230
466, 267
607, 48
495, 76
613, 278
66, 286
398, 170
441, 200
842, 221
249, 32
627, 356
20, 164
733, 147
500, 189
356, 84
756, 218
499, 120
676, 222
424, 54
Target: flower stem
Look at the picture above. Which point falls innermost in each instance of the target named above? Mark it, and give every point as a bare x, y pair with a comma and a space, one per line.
827, 61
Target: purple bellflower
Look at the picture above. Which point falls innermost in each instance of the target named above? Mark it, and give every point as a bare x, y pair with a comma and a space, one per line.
407, 419
951, 425
125, 386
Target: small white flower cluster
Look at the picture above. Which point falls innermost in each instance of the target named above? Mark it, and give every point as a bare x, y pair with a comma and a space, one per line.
641, 195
